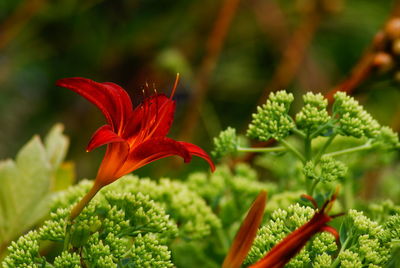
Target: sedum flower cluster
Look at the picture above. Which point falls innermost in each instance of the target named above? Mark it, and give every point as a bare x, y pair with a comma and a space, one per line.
364, 242
313, 114
310, 135
223, 188
129, 224
348, 118
352, 119
272, 119
229, 193
328, 169
225, 143
318, 251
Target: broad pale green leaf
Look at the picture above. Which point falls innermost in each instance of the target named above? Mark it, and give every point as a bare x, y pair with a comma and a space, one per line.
26, 183
56, 145
64, 176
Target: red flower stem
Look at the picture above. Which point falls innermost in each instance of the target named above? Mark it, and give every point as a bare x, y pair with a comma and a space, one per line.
84, 201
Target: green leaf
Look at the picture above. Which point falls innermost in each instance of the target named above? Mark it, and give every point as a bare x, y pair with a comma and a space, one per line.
56, 145
64, 176
26, 183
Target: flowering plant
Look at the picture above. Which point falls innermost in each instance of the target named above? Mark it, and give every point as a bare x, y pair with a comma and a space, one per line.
139, 222
134, 136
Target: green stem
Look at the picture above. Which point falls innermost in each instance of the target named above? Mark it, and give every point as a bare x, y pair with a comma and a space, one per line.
223, 239
343, 247
67, 235
363, 147
348, 194
323, 149
318, 131
293, 150
313, 185
299, 132
307, 147
262, 150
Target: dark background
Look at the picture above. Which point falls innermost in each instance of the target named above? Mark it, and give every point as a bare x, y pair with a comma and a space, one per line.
134, 42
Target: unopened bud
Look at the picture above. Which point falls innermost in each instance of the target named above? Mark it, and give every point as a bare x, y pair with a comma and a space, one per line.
392, 28
383, 61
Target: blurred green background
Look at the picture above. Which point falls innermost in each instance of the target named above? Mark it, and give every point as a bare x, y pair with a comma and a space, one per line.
133, 42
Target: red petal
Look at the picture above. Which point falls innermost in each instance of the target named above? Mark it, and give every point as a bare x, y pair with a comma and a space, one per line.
152, 118
104, 135
110, 98
197, 151
151, 150
113, 161
246, 234
311, 199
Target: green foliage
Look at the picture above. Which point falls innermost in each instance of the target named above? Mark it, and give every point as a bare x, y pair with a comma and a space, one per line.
366, 242
130, 224
225, 143
272, 119
313, 115
67, 260
194, 218
315, 131
223, 188
387, 139
35, 53
230, 194
319, 251
328, 169
147, 252
24, 252
27, 183
352, 119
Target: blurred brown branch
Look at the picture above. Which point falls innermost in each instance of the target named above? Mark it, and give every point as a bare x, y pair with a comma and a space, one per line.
293, 54
276, 28
361, 71
374, 58
274, 25
214, 46
10, 28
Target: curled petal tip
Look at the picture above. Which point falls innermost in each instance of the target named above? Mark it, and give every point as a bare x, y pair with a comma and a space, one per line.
212, 166
197, 151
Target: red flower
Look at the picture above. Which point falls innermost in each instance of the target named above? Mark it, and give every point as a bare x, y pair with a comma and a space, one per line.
281, 253
134, 136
